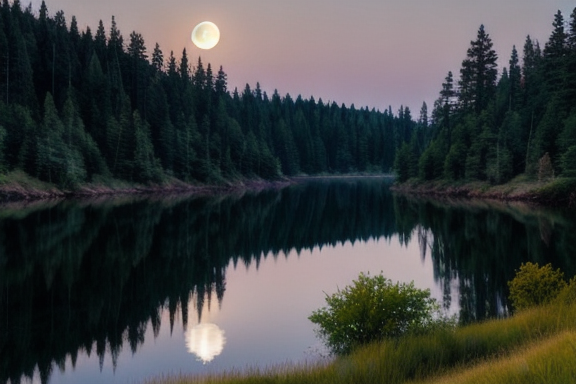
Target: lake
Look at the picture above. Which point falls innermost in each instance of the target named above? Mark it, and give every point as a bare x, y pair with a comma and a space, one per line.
120, 289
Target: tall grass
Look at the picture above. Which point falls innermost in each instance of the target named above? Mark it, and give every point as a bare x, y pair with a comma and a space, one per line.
551, 361
542, 339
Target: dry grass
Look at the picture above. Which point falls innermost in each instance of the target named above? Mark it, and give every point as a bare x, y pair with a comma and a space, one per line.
537, 345
550, 361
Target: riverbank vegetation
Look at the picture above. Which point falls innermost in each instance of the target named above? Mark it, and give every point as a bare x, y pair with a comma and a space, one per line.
99, 107
492, 127
535, 345
559, 191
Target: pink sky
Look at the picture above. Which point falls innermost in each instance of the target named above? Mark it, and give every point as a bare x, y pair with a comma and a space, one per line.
371, 53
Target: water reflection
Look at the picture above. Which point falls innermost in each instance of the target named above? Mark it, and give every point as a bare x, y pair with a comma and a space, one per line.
90, 277
205, 340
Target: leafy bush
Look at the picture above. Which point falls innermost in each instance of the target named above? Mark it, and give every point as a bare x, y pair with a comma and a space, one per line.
568, 295
373, 308
534, 285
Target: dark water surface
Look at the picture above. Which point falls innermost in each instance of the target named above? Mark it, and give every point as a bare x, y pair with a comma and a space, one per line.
118, 290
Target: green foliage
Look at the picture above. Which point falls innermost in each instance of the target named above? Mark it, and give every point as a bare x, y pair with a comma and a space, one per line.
497, 128
146, 166
545, 168
403, 164
189, 127
478, 74
567, 295
534, 285
372, 309
431, 162
568, 162
2, 141
455, 161
199, 131
535, 346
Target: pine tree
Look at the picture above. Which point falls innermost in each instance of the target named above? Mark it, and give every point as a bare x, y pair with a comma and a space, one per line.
221, 83
157, 59
570, 63
571, 39
121, 142
515, 75
100, 43
568, 162
3, 165
556, 45
303, 141
555, 52
21, 84
431, 163
138, 72
566, 144
403, 162
184, 68
115, 42
92, 101
186, 165
51, 153
4, 64
65, 61
85, 150
546, 134
478, 74
146, 166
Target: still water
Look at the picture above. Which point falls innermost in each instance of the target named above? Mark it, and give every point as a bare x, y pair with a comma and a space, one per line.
119, 290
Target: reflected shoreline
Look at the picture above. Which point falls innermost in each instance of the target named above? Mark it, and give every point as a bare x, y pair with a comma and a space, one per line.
103, 270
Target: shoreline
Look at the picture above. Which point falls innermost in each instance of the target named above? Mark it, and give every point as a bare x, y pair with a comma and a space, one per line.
21, 188
18, 187
558, 192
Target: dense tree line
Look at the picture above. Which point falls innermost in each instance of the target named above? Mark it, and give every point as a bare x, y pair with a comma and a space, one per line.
80, 106
495, 128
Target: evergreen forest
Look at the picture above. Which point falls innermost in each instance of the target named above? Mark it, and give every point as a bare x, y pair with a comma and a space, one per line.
486, 126
81, 107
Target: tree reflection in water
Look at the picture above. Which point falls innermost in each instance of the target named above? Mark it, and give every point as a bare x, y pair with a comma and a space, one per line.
88, 276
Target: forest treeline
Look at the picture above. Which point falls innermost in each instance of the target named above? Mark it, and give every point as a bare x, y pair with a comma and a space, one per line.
490, 127
78, 107
83, 106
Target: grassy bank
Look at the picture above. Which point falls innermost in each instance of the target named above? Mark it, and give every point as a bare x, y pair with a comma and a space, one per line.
560, 191
537, 345
19, 186
550, 361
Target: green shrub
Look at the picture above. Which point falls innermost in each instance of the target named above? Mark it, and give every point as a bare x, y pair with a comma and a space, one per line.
568, 295
534, 285
373, 308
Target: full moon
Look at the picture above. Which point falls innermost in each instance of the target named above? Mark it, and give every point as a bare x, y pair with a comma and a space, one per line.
206, 35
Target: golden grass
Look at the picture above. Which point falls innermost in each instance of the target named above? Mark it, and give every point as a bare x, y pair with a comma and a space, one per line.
550, 361
535, 345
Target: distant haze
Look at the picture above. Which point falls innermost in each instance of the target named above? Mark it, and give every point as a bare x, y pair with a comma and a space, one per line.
367, 52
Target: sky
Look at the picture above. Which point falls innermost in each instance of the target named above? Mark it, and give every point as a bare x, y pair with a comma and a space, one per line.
370, 53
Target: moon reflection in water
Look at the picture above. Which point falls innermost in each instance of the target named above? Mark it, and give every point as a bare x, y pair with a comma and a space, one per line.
205, 340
